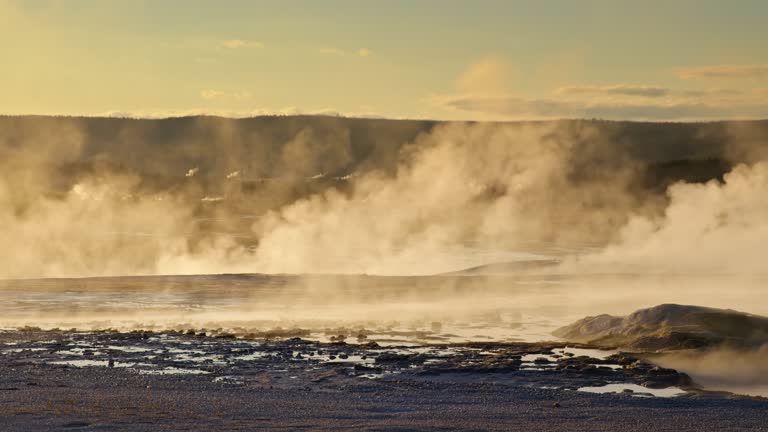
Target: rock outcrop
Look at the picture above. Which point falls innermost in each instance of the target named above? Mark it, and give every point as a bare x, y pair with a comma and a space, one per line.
669, 327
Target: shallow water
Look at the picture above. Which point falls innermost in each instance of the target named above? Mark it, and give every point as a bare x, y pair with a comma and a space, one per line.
634, 390
93, 363
392, 311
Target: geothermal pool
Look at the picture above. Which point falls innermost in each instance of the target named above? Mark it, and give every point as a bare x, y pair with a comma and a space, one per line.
397, 311
448, 308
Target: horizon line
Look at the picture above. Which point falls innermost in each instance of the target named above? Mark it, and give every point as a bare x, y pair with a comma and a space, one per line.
404, 119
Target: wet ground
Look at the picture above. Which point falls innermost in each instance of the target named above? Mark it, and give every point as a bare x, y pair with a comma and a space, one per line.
174, 380
227, 359
251, 352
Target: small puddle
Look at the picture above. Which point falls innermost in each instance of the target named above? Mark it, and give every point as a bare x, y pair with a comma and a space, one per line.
92, 363
229, 379
188, 358
252, 356
634, 390
21, 350
594, 353
128, 349
549, 361
173, 371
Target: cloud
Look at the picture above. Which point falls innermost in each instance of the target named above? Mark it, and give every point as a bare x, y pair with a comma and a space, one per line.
520, 108
484, 93
240, 95
210, 94
240, 43
490, 75
711, 92
724, 72
508, 106
338, 52
620, 89
332, 51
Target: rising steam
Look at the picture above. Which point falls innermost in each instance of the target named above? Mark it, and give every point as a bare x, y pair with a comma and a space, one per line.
326, 197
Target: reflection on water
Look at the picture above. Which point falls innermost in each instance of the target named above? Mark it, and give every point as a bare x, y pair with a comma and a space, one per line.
93, 363
402, 311
634, 390
392, 310
173, 371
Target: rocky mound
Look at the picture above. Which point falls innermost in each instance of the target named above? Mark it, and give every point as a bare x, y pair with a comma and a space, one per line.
669, 327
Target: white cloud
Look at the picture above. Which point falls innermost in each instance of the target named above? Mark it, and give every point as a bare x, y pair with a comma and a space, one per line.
619, 89
338, 52
240, 43
711, 92
484, 93
724, 72
520, 108
240, 95
210, 94
332, 51
490, 75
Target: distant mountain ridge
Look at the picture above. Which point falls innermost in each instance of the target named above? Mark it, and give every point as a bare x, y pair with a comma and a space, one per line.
217, 145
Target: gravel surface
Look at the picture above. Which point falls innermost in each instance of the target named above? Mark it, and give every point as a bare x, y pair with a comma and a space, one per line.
40, 391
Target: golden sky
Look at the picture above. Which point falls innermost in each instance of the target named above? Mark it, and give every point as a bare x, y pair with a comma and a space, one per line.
486, 59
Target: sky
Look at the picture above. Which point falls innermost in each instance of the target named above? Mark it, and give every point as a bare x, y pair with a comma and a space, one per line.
669, 60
